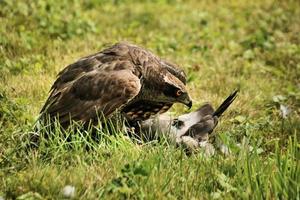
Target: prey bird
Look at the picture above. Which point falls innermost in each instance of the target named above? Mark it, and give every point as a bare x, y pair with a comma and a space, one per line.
191, 129
123, 78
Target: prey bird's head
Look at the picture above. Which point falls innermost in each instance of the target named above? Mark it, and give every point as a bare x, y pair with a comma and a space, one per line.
172, 87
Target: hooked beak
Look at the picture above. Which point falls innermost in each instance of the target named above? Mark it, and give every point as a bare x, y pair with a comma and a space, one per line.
188, 102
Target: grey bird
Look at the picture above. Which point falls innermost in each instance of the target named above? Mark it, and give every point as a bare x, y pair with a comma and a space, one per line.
192, 129
123, 78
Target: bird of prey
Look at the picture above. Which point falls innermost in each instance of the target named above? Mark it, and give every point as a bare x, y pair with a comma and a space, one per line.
123, 78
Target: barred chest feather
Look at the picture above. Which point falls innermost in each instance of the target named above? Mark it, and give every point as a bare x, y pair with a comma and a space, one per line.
143, 109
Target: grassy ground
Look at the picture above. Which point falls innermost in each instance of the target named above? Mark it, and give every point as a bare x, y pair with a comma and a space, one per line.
222, 45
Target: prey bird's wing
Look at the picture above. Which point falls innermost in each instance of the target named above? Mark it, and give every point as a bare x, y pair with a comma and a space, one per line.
226, 103
91, 89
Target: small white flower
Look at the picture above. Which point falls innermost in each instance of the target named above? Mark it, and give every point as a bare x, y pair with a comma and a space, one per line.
285, 111
69, 191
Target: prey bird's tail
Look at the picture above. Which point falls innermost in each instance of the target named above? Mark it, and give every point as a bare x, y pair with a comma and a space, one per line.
226, 104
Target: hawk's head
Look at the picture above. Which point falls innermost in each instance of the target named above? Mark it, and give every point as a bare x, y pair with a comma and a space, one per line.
172, 85
174, 90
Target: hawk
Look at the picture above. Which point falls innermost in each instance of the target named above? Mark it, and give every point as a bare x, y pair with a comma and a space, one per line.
123, 78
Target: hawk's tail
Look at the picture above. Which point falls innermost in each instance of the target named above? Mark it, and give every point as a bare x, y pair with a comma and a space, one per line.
226, 104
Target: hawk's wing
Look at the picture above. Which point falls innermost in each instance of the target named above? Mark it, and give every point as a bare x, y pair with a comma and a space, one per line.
86, 94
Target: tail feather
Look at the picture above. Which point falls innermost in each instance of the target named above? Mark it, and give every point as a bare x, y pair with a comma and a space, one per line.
226, 104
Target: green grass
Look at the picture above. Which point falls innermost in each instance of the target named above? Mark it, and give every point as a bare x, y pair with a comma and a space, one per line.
222, 45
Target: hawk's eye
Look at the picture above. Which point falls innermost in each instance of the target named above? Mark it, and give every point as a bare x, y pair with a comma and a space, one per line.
178, 93
172, 91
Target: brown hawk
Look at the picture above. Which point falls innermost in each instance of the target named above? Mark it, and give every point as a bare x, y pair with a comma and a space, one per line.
124, 78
